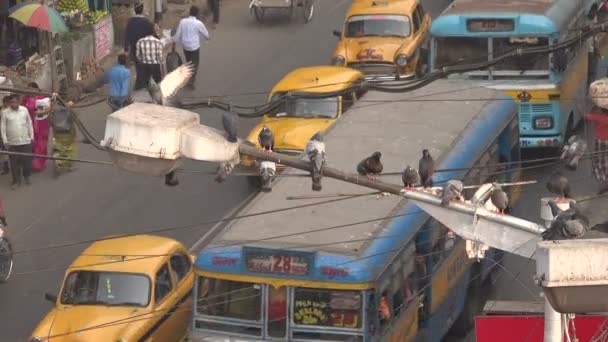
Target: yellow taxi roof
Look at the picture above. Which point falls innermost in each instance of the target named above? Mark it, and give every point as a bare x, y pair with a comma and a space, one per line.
138, 254
362, 7
318, 79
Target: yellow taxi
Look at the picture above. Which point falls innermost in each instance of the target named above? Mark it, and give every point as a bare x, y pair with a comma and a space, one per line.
316, 105
136, 288
385, 39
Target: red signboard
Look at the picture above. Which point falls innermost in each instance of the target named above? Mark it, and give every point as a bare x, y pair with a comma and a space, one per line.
531, 328
490, 25
282, 264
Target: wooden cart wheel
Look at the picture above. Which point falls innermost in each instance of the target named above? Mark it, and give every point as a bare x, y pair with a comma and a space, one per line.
259, 14
308, 9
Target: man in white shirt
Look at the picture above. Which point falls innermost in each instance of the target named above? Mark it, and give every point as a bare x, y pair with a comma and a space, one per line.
189, 33
17, 134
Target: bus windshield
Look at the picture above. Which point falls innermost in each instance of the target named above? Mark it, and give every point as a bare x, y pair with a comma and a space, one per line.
303, 107
378, 25
457, 51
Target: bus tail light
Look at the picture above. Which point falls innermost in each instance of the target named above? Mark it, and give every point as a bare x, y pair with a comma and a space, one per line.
545, 122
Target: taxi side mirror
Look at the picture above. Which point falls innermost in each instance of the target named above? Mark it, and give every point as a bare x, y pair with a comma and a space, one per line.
337, 33
50, 297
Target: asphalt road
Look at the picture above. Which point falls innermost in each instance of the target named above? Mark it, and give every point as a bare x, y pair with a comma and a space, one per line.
97, 201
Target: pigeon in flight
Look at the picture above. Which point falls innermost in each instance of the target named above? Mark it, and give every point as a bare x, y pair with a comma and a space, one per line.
266, 139
451, 191
223, 171
315, 150
409, 177
230, 121
499, 199
267, 171
573, 151
370, 166
162, 93
558, 185
567, 224
426, 169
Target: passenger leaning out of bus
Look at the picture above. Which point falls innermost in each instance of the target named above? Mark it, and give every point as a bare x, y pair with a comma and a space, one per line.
599, 161
384, 310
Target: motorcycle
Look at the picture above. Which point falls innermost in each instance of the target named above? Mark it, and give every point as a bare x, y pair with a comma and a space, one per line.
6, 250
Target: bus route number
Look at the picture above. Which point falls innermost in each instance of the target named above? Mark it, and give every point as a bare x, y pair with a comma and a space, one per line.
284, 264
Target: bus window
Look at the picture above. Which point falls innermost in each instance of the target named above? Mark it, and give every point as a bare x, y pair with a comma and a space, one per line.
326, 308
229, 299
453, 51
539, 62
384, 311
277, 312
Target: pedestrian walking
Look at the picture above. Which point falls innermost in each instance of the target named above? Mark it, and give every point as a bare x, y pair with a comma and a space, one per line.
39, 115
17, 134
119, 78
3, 157
214, 7
599, 161
138, 26
189, 33
149, 52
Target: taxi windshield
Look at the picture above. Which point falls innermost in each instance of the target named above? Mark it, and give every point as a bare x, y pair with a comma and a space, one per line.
303, 107
378, 25
106, 288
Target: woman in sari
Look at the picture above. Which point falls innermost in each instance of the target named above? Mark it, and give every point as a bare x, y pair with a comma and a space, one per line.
41, 127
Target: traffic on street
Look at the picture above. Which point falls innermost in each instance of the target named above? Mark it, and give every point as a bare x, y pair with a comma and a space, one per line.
199, 192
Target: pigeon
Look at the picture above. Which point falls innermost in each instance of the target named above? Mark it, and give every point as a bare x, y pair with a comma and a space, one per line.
171, 179
223, 171
315, 150
230, 122
267, 172
370, 166
163, 92
558, 185
409, 177
426, 168
499, 199
573, 151
567, 224
451, 191
266, 139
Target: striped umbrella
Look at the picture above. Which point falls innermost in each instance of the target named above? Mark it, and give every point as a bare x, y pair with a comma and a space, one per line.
39, 16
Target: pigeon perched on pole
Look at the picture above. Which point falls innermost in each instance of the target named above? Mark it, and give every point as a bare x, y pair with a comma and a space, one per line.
370, 166
452, 191
426, 169
573, 151
163, 93
230, 121
267, 171
409, 177
567, 224
558, 185
315, 150
266, 139
499, 199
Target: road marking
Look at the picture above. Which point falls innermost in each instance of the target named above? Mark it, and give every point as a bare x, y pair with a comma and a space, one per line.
219, 224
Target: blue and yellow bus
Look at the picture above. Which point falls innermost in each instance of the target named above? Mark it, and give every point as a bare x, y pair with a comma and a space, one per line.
550, 88
363, 268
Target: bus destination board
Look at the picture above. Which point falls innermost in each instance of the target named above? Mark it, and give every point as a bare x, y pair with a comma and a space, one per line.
277, 263
490, 25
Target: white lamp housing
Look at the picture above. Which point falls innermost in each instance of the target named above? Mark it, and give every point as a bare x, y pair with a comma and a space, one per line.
574, 274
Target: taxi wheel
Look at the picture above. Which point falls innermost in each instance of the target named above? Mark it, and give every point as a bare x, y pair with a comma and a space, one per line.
6, 260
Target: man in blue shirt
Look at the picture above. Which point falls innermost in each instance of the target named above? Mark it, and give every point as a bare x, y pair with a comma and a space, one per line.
119, 77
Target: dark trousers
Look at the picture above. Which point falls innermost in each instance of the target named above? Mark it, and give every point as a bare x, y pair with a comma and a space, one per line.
144, 72
194, 57
214, 7
20, 164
